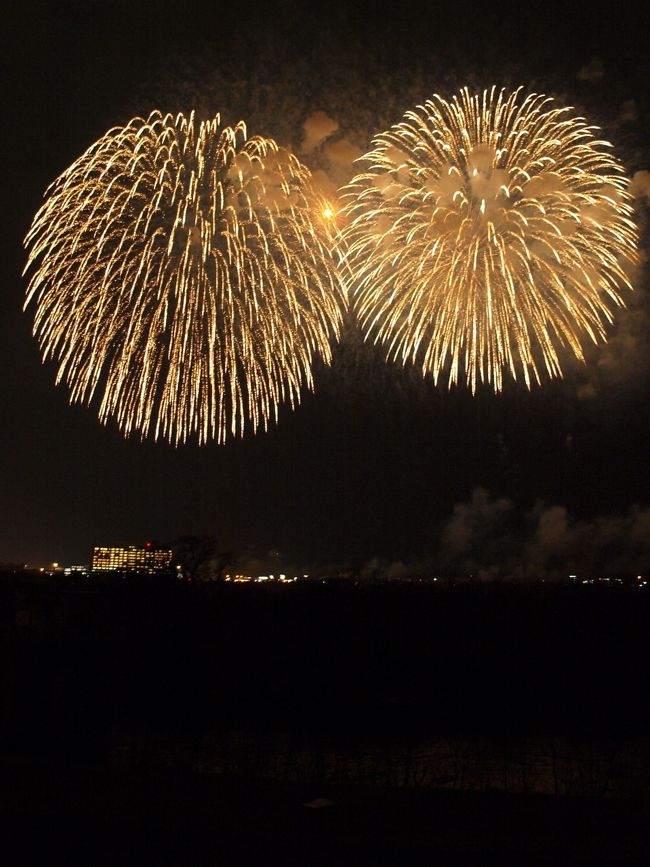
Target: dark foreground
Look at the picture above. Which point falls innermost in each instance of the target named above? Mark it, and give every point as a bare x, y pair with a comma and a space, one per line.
72, 815
169, 725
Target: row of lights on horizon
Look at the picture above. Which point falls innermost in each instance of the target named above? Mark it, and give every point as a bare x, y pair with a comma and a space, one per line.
247, 579
55, 568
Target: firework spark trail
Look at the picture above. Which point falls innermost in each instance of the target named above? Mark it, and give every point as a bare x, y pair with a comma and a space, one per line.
178, 273
488, 233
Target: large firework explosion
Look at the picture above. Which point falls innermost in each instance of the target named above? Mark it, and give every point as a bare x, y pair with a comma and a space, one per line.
489, 233
178, 274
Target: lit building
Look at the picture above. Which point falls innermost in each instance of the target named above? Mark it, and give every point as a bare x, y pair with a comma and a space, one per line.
148, 559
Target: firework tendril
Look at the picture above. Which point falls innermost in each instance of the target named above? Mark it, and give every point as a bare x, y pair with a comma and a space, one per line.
489, 233
178, 276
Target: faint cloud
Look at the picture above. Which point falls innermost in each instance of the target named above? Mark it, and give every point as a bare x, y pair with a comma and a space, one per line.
587, 391
628, 113
592, 71
397, 571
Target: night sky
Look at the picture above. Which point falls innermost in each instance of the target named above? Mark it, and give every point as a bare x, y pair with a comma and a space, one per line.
377, 467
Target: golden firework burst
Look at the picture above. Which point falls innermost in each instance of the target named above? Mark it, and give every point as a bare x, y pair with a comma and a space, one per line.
178, 275
492, 232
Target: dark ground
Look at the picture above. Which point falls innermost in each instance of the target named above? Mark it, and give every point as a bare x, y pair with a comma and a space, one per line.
95, 679
83, 815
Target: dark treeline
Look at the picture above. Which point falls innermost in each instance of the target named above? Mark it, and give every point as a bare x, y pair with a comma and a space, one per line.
375, 663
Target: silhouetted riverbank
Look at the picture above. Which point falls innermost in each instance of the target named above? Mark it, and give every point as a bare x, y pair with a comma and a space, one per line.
80, 814
499, 706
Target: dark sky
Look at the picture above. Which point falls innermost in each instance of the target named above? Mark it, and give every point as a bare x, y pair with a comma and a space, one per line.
373, 463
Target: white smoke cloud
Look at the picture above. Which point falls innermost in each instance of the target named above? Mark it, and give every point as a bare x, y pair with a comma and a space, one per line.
471, 522
341, 152
606, 546
479, 539
316, 128
623, 361
324, 185
488, 539
330, 157
640, 185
